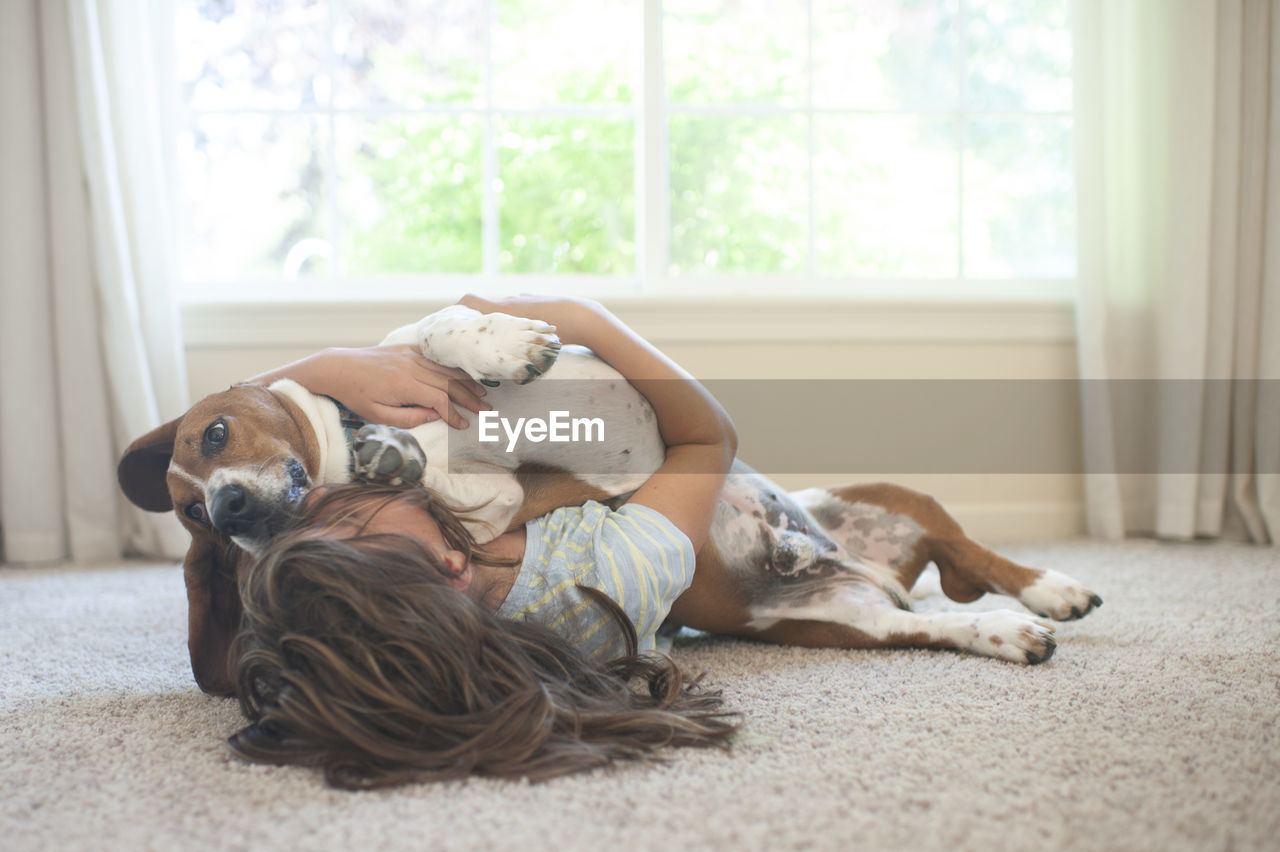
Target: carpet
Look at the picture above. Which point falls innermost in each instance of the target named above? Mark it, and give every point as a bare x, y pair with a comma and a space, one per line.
1154, 727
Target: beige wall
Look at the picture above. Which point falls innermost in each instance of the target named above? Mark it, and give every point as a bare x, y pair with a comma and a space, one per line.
225, 349
990, 506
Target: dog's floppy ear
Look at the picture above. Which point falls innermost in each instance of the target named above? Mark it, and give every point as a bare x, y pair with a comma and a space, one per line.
213, 613
143, 466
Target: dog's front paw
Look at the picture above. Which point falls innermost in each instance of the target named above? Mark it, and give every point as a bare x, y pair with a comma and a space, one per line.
1013, 636
387, 455
1059, 597
492, 348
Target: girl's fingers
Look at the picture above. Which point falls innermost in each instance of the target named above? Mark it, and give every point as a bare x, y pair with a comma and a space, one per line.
460, 387
439, 390
462, 395
405, 416
409, 416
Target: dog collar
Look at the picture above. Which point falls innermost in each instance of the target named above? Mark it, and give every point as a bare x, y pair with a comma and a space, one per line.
351, 422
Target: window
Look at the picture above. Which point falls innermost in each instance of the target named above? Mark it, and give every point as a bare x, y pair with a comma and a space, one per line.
889, 146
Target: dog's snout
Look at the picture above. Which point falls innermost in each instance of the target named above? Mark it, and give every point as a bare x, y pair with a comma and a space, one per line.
233, 498
232, 510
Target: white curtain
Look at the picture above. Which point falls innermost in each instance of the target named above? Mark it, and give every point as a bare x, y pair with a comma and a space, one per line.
91, 351
1178, 163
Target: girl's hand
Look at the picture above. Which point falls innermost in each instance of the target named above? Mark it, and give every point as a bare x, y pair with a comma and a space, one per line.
392, 384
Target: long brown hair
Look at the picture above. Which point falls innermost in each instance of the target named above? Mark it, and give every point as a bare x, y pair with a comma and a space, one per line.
357, 656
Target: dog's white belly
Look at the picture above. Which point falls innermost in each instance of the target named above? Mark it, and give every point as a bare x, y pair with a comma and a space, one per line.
755, 511
871, 532
615, 454
617, 450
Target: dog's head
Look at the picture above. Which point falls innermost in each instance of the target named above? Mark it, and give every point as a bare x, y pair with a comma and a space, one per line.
233, 468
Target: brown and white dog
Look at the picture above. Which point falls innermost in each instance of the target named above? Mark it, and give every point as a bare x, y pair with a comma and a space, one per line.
821, 567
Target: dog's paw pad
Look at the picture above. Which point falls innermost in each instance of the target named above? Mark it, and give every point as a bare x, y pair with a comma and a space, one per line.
494, 348
1015, 637
387, 455
541, 357
1059, 597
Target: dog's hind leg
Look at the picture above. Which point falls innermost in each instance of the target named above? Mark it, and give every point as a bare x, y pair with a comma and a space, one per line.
768, 572
1051, 594
845, 619
907, 530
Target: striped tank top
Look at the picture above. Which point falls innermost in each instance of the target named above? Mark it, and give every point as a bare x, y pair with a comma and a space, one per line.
634, 555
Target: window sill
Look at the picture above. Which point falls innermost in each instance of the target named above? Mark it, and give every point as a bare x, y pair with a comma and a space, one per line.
315, 324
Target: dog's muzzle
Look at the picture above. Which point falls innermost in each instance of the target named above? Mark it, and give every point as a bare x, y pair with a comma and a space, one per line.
237, 513
245, 515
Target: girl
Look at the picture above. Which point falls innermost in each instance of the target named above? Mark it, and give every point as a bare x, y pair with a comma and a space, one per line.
379, 642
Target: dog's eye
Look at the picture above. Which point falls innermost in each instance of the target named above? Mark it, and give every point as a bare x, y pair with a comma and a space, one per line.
196, 512
216, 435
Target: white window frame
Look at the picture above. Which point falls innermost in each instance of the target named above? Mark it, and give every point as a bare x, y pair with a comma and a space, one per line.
821, 306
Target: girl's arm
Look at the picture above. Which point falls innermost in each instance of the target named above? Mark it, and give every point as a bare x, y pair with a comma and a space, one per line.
700, 438
390, 384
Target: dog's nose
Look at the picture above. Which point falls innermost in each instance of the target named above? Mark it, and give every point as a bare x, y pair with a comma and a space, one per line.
232, 510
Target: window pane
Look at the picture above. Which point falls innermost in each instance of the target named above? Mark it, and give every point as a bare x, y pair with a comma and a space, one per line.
719, 51
565, 51
566, 195
1019, 201
887, 196
900, 54
409, 194
739, 194
1019, 54
252, 55
899, 90
254, 188
408, 52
